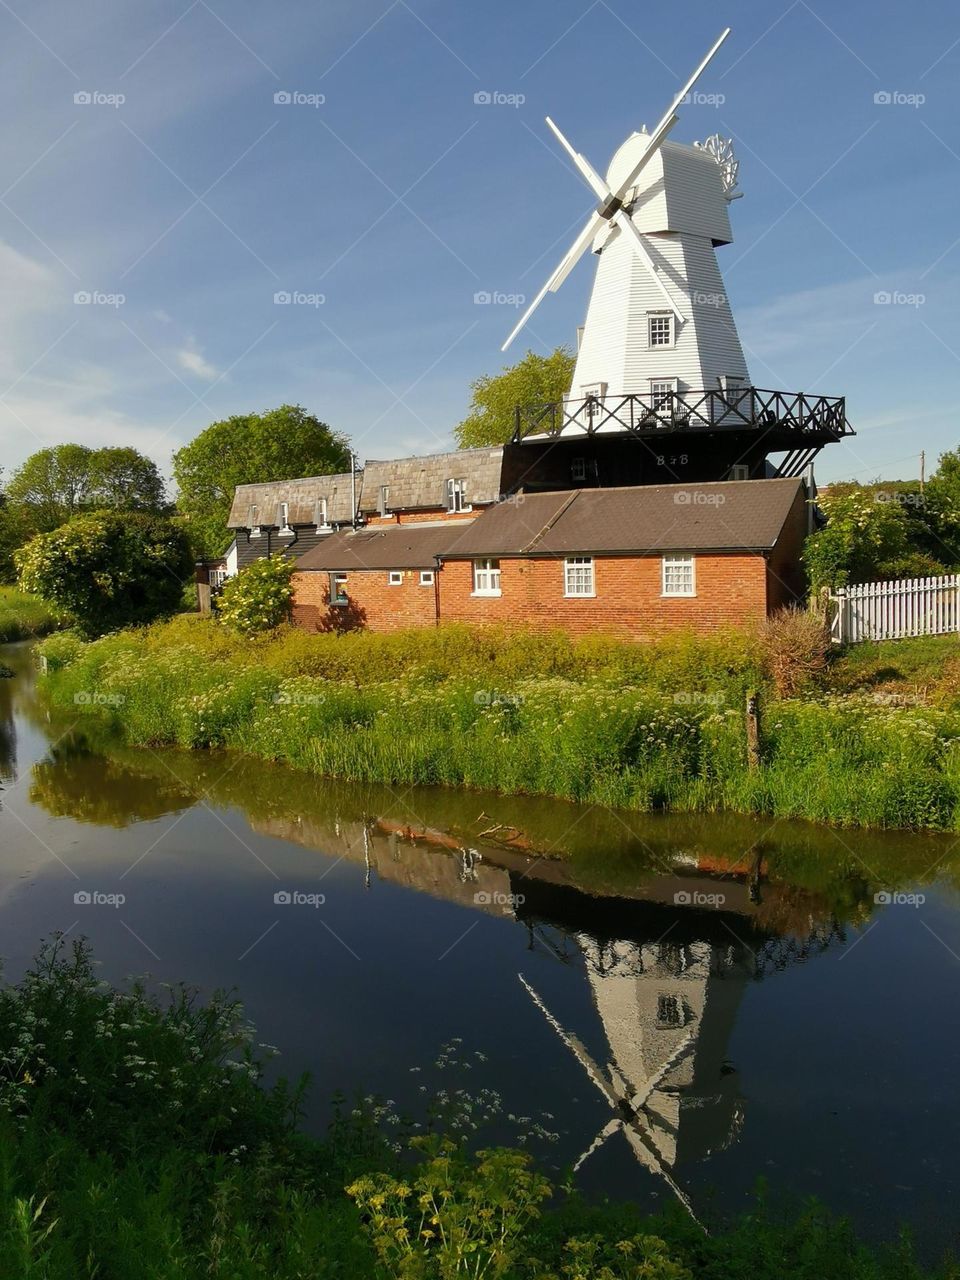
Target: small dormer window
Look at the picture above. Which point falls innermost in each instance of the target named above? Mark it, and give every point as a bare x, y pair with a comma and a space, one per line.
283, 520
320, 513
384, 503
457, 495
660, 329
253, 521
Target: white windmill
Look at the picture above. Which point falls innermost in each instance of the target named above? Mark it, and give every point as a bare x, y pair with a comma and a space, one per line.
658, 323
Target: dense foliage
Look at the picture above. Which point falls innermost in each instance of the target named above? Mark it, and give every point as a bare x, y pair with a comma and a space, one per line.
532, 380
108, 569
259, 597
281, 444
23, 616
138, 1140
649, 727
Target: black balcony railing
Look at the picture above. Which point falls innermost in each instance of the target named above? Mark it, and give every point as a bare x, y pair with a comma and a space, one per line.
789, 416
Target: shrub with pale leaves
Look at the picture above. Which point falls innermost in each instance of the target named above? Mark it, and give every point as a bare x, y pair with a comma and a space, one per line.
259, 597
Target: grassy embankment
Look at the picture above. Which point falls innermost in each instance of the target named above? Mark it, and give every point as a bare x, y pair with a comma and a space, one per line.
137, 1140
23, 616
643, 727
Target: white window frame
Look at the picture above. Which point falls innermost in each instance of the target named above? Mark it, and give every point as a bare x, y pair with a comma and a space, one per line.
253, 515
486, 577
574, 578
383, 504
338, 585
218, 577
395, 578
284, 520
662, 387
739, 471
320, 515
427, 577
674, 561
457, 495
656, 319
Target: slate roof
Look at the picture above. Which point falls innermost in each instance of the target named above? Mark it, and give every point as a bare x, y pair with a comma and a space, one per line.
398, 546
302, 497
418, 483
729, 515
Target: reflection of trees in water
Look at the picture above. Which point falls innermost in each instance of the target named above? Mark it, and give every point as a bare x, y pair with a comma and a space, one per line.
8, 731
74, 782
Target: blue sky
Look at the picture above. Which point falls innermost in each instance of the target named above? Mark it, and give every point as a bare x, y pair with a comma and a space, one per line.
399, 197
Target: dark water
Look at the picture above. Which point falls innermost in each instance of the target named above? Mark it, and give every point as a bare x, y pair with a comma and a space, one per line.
696, 1002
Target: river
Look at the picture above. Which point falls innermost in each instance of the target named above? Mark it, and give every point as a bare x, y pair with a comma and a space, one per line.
689, 1003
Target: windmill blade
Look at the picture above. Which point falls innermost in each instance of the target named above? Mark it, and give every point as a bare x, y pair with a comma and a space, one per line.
670, 119
625, 222
647, 1154
575, 1046
569, 261
608, 1130
593, 179
640, 1098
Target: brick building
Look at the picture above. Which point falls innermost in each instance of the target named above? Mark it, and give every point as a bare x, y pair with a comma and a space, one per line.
633, 562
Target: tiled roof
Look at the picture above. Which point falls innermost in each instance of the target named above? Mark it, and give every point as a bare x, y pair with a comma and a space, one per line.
399, 546
421, 483
302, 496
728, 515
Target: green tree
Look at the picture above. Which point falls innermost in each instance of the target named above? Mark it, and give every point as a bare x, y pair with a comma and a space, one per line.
52, 485
259, 597
251, 448
122, 478
108, 569
532, 380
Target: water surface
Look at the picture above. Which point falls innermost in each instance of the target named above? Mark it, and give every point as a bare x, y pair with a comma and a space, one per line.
690, 1003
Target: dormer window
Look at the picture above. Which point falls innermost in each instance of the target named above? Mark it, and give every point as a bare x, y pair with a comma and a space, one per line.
283, 520
320, 514
660, 329
253, 521
384, 502
457, 495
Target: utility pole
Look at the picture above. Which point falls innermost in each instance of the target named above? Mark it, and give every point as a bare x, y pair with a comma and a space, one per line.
923, 468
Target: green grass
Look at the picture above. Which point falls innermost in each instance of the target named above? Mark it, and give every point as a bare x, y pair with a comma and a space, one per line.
137, 1140
645, 727
23, 616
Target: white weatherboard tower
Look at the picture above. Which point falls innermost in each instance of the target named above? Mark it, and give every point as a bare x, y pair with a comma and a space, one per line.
658, 324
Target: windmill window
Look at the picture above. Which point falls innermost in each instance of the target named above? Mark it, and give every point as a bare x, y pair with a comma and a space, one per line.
739, 471
578, 576
457, 495
661, 394
320, 513
660, 329
669, 1012
395, 578
426, 578
578, 470
678, 576
486, 578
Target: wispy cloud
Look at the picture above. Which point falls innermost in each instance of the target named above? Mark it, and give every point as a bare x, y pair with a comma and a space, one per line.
192, 360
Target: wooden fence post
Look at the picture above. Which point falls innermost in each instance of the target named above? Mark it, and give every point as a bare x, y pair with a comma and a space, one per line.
753, 730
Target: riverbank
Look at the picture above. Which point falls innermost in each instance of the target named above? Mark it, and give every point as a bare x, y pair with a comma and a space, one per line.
645, 728
139, 1127
23, 617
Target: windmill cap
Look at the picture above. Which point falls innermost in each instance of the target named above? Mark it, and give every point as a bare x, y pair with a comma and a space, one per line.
682, 188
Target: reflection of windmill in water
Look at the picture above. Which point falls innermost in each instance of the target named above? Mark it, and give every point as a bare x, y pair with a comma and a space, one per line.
667, 986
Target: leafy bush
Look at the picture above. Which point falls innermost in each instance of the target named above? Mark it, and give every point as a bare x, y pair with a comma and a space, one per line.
23, 616
259, 597
795, 645
109, 569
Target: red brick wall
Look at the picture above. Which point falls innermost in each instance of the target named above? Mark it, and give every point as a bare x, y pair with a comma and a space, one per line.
374, 604
730, 589
422, 516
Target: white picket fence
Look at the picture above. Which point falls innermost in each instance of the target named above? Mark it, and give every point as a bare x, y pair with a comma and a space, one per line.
892, 610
